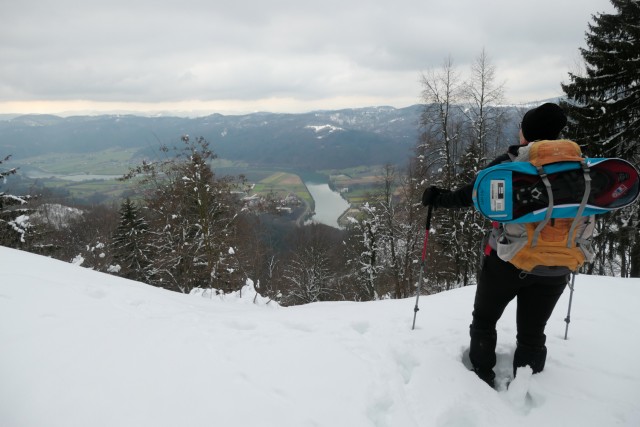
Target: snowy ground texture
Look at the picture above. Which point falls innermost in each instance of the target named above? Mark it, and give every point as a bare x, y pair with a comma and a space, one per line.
80, 348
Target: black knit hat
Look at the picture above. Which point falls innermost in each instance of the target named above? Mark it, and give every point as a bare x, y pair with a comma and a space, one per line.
544, 122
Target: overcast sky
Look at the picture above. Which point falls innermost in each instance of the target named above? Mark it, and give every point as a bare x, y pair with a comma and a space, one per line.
274, 55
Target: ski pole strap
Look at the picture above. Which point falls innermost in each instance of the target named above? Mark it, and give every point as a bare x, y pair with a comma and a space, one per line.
547, 217
583, 202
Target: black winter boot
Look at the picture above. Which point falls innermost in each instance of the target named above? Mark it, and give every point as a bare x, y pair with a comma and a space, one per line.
534, 357
482, 353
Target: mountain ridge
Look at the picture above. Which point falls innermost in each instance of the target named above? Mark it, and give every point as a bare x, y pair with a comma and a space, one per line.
314, 140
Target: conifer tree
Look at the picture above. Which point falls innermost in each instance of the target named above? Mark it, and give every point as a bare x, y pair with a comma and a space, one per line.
603, 107
14, 219
129, 243
192, 215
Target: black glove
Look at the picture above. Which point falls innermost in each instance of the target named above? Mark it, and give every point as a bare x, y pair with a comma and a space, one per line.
430, 196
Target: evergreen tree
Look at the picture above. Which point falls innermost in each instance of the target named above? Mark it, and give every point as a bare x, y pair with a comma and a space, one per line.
14, 217
192, 215
129, 244
603, 107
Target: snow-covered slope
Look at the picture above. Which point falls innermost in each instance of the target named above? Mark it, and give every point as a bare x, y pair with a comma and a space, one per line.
80, 348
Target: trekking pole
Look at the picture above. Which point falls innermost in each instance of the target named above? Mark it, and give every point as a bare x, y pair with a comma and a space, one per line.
568, 318
423, 263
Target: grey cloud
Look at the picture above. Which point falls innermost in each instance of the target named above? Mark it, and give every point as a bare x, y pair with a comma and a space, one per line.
149, 51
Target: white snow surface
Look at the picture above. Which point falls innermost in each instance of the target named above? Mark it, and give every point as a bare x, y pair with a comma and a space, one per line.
82, 348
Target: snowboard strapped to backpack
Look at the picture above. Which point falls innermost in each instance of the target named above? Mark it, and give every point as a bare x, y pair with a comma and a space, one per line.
545, 202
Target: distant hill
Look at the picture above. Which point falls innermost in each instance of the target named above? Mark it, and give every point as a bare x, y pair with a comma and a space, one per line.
312, 141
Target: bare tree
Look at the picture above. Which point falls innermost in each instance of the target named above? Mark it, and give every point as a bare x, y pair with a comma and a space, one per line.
310, 271
440, 121
309, 276
439, 150
485, 119
483, 96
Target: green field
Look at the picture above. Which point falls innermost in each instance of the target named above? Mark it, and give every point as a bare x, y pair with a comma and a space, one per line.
282, 184
107, 190
93, 176
108, 162
357, 183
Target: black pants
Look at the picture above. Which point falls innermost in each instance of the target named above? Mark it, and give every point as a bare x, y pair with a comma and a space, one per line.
498, 284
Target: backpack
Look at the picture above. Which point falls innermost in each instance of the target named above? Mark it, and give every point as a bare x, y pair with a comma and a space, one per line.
554, 246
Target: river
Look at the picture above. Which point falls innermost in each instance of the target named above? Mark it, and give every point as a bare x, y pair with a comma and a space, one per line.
33, 174
329, 204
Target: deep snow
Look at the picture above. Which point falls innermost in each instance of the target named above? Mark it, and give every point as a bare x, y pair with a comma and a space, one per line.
81, 348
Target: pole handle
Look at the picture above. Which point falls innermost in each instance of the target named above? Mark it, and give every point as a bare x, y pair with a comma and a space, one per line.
428, 224
426, 236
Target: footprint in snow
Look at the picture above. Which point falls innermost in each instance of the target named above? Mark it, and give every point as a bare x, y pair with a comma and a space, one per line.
521, 392
360, 327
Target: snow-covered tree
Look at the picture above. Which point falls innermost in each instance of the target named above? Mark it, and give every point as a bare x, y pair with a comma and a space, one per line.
14, 215
402, 222
468, 226
364, 248
309, 276
86, 238
438, 152
463, 126
191, 215
313, 267
259, 254
129, 244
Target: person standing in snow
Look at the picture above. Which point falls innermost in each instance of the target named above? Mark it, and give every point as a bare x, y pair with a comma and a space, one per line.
499, 281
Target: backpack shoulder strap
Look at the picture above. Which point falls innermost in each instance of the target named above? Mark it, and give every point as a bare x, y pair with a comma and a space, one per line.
583, 202
547, 217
